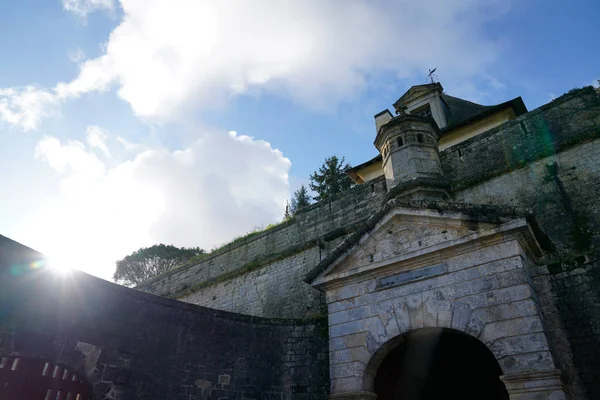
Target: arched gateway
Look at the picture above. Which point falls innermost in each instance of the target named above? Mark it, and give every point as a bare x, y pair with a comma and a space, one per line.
433, 363
431, 300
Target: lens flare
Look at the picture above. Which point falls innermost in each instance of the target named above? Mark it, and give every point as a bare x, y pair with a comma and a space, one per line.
37, 264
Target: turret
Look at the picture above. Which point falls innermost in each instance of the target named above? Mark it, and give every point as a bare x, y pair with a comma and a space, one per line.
410, 156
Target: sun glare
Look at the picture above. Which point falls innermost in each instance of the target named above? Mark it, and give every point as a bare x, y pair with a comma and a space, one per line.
59, 268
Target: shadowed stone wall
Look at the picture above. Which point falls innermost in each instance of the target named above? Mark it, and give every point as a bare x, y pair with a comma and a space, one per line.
549, 161
546, 160
15, 255
274, 290
134, 345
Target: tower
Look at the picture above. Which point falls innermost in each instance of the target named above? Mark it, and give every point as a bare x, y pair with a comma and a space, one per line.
410, 157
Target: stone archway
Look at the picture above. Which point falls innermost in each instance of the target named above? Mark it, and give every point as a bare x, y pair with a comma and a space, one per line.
434, 363
420, 268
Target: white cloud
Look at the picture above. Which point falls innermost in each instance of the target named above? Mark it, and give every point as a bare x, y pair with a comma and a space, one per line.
219, 187
71, 159
129, 146
94, 75
82, 8
166, 55
26, 106
96, 138
76, 56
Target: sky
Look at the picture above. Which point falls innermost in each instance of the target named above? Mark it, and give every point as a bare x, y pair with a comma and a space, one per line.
129, 123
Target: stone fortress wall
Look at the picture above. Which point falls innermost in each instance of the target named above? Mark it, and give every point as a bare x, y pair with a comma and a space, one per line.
262, 275
133, 345
551, 155
545, 160
541, 160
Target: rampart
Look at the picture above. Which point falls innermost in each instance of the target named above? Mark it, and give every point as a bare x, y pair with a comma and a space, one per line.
134, 345
262, 274
545, 160
515, 164
130, 343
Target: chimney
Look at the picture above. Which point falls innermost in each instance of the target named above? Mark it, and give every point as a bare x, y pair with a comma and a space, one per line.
382, 118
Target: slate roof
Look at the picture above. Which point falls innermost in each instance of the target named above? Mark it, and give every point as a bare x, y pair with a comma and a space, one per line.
462, 112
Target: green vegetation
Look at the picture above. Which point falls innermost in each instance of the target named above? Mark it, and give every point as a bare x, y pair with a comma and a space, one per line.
149, 262
300, 200
254, 232
331, 178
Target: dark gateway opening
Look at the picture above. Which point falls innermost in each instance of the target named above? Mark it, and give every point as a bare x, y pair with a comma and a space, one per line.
439, 364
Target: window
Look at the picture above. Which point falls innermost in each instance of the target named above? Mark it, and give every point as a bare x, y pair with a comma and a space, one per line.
400, 141
419, 138
424, 111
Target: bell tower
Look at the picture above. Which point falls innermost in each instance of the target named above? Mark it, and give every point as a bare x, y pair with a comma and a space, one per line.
410, 156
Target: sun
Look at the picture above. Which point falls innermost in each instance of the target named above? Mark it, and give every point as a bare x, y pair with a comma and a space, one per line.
59, 267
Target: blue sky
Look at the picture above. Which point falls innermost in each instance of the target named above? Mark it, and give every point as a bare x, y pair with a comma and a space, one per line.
116, 117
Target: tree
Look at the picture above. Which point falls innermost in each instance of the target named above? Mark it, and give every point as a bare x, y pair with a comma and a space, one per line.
148, 262
331, 178
300, 200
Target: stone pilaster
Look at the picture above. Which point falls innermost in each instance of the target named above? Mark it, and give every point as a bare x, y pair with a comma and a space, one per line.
539, 385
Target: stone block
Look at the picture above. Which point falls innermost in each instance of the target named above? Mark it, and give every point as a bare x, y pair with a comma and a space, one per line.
385, 312
528, 362
460, 316
348, 341
519, 344
414, 305
518, 326
342, 385
345, 370
535, 385
352, 327
499, 296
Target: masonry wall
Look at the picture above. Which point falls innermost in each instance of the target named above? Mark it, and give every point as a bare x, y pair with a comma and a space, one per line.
133, 345
262, 275
548, 160
520, 162
574, 306
273, 290
485, 293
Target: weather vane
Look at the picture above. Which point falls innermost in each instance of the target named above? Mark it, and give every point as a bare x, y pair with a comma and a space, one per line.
432, 78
